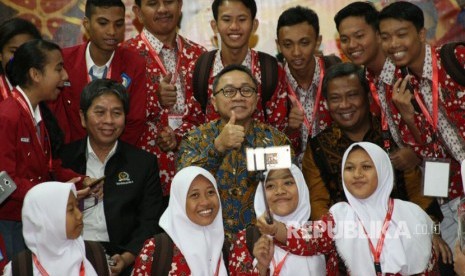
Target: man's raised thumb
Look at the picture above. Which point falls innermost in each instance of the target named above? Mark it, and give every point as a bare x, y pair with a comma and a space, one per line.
232, 119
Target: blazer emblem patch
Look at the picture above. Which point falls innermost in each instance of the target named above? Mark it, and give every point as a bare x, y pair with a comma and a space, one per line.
124, 179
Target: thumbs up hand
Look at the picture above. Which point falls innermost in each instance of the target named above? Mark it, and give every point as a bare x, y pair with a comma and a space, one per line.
231, 137
167, 91
296, 115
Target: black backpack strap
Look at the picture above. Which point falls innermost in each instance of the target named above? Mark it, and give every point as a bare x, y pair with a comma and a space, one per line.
21, 264
450, 62
269, 75
251, 237
95, 254
331, 60
202, 69
163, 255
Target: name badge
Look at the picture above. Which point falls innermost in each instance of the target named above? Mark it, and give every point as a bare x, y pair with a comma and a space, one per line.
174, 121
436, 177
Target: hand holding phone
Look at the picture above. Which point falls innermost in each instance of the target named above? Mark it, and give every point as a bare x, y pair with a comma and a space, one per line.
96, 181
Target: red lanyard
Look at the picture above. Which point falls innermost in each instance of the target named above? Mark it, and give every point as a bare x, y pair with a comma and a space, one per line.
379, 247
293, 94
384, 121
82, 270
217, 272
155, 56
43, 130
432, 120
4, 87
279, 267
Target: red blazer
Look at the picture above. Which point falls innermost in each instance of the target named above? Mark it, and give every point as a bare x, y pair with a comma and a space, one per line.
66, 107
22, 157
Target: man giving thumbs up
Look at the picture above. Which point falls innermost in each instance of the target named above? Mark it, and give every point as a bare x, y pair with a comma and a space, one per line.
219, 146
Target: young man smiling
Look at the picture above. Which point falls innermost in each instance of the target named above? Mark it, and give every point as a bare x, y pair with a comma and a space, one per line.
101, 57
435, 128
298, 39
167, 56
234, 23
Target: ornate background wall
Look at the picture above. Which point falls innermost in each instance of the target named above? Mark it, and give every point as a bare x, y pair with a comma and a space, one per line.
60, 20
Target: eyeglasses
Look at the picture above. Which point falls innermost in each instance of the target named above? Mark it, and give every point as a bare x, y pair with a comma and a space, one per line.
231, 91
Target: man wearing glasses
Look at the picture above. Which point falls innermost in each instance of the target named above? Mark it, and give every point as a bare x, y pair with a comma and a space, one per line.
131, 206
219, 146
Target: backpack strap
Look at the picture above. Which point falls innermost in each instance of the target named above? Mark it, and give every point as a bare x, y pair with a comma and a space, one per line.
269, 77
95, 254
202, 69
163, 255
331, 60
21, 264
251, 237
450, 62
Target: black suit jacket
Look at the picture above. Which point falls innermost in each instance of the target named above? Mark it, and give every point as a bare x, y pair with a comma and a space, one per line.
132, 194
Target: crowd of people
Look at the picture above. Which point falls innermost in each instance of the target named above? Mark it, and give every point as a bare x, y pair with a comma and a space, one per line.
130, 156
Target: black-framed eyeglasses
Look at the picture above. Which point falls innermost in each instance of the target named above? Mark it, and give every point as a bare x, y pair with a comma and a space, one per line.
231, 91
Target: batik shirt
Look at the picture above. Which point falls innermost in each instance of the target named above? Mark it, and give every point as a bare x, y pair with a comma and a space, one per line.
157, 116
451, 116
307, 98
236, 185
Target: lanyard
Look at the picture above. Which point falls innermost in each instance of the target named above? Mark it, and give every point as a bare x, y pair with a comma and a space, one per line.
432, 120
217, 272
43, 130
384, 121
279, 267
293, 94
155, 56
379, 247
82, 270
4, 88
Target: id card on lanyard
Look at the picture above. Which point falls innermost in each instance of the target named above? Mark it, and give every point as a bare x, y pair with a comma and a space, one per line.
436, 177
436, 170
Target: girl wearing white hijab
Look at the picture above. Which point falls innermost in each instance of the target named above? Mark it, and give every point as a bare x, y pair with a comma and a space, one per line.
52, 226
285, 187
406, 248
194, 223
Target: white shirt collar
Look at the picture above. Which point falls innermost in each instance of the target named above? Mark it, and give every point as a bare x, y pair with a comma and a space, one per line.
35, 113
90, 62
90, 151
155, 42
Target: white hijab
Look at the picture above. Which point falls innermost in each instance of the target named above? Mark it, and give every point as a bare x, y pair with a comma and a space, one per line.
200, 245
44, 230
406, 250
294, 264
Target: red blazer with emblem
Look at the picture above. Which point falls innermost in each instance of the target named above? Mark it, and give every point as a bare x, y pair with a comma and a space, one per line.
22, 157
66, 107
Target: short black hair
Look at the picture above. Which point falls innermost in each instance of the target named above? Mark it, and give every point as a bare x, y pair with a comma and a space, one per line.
16, 26
32, 54
99, 87
403, 10
297, 15
359, 9
92, 4
250, 4
342, 70
233, 67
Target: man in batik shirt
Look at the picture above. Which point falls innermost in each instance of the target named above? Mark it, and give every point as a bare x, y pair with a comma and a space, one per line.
220, 145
